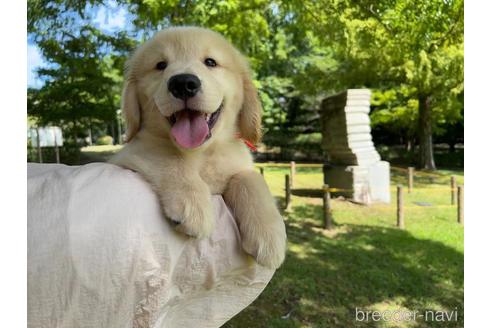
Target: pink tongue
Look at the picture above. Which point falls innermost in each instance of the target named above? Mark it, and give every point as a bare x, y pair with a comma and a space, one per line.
190, 129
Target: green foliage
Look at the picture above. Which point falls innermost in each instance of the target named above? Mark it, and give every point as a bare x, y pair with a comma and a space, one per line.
83, 78
104, 140
395, 111
411, 48
300, 52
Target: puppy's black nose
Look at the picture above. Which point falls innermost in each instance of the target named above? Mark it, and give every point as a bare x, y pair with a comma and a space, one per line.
184, 86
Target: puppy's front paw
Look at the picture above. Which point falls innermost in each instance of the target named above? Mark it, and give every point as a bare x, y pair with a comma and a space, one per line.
191, 215
267, 242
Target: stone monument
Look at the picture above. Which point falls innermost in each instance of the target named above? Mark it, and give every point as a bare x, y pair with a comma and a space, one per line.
352, 164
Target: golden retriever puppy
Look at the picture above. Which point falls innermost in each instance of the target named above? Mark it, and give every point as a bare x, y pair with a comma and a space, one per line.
188, 95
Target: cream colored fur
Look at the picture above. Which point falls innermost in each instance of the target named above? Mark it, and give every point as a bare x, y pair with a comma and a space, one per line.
185, 179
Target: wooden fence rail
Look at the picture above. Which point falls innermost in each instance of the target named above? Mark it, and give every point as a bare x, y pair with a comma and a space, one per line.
457, 197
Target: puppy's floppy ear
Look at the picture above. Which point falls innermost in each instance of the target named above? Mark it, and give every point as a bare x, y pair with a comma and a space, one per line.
131, 109
250, 114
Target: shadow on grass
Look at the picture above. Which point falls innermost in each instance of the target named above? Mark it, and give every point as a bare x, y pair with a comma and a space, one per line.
310, 193
443, 158
92, 156
399, 175
286, 169
327, 275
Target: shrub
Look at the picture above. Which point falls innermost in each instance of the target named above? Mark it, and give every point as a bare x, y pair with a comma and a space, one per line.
104, 140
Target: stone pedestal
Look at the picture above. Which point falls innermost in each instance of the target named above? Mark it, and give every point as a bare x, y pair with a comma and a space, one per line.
352, 163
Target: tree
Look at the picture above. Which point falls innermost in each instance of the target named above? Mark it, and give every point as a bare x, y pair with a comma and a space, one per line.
84, 74
415, 45
409, 52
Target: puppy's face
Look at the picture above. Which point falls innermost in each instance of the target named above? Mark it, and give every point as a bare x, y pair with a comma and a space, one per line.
190, 85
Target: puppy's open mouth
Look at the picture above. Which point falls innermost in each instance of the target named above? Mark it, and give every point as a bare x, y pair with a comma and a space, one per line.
191, 128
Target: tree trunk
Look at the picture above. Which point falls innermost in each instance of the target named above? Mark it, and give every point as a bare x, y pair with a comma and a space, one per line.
90, 132
426, 153
76, 158
113, 134
74, 131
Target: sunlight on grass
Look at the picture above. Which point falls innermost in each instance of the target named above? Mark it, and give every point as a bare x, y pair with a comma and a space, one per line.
98, 153
365, 261
101, 148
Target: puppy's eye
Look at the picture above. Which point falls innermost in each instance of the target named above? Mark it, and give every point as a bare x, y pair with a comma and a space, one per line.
161, 65
210, 62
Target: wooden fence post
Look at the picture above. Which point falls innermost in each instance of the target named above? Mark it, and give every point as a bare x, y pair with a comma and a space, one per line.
399, 208
327, 208
262, 171
410, 179
287, 191
461, 204
453, 190
292, 172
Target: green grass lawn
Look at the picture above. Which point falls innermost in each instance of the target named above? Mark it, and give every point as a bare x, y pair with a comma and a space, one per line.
365, 262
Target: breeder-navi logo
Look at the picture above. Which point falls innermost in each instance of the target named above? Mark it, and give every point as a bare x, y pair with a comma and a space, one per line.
406, 315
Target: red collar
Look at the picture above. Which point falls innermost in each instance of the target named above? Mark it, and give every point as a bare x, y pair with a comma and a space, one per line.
247, 143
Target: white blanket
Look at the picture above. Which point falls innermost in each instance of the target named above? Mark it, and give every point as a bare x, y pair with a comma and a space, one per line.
100, 254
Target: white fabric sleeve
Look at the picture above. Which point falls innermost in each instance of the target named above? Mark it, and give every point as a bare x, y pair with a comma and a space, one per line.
100, 254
